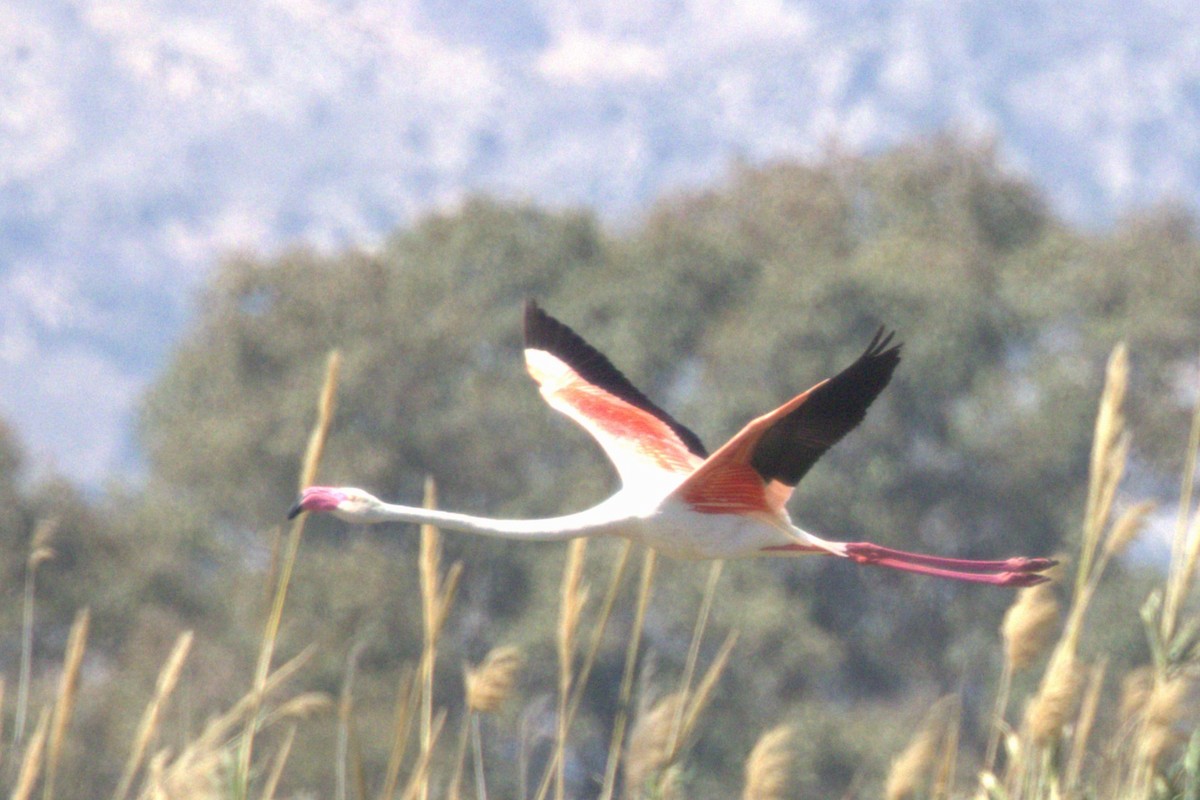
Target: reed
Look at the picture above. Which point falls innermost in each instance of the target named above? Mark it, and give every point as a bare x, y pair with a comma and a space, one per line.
405, 709
1088, 707
485, 689
767, 767
689, 669
437, 597
573, 598
625, 693
912, 772
31, 762
64, 706
1026, 631
308, 472
1185, 544
40, 550
168, 678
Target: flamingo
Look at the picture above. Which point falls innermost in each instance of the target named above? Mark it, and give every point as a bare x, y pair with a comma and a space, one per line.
676, 497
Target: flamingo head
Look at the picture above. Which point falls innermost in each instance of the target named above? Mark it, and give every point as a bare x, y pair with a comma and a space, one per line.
352, 505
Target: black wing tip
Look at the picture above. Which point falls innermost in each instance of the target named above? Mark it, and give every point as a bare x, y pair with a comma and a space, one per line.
544, 332
879, 344
533, 318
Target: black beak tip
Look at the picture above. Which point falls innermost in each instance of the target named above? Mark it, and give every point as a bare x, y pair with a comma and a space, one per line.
295, 511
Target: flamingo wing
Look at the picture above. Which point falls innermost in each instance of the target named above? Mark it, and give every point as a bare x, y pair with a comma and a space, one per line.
757, 469
644, 442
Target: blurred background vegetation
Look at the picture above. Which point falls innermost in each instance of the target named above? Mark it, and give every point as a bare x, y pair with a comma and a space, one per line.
720, 303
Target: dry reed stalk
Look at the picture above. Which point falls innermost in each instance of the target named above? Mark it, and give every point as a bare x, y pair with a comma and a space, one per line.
419, 780
68, 689
429, 566
277, 764
168, 677
2, 687
1105, 472
606, 607
308, 472
573, 598
698, 700
301, 706
1185, 545
402, 721
912, 770
39, 551
689, 669
625, 693
437, 595
768, 764
943, 776
589, 659
460, 758
345, 726
1088, 707
670, 784
31, 762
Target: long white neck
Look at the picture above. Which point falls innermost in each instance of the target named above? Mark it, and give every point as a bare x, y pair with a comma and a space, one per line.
595, 520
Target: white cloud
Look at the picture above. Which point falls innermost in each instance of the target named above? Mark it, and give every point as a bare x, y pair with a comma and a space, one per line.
34, 125
50, 301
583, 58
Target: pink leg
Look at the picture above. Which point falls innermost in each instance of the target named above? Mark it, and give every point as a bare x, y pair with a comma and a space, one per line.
1009, 572
867, 552
1005, 578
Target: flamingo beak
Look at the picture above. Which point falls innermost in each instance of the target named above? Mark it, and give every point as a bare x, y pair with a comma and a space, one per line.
316, 498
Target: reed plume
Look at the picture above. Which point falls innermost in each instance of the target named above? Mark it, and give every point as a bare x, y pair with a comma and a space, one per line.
767, 766
1028, 626
486, 688
1050, 709
912, 771
64, 707
168, 677
491, 683
649, 749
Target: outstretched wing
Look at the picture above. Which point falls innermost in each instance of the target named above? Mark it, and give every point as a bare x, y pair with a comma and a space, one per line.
643, 441
757, 469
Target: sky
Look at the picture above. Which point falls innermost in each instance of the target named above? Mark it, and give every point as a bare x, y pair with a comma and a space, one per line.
141, 141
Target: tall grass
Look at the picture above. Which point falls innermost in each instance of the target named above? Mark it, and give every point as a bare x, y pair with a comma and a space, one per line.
1064, 738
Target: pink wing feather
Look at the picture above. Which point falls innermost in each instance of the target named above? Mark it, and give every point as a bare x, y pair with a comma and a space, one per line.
643, 441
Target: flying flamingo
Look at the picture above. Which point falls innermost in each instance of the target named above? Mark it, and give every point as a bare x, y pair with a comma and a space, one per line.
675, 497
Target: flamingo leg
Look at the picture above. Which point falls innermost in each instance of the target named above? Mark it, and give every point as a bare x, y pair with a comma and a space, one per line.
1016, 572
868, 552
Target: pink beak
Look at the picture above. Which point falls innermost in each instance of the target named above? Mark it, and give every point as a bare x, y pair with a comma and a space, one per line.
316, 498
